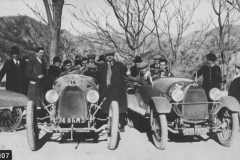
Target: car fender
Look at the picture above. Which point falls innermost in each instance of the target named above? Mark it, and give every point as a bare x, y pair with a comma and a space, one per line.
161, 104
229, 102
10, 98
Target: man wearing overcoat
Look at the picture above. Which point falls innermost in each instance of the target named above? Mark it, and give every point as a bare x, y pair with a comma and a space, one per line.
112, 85
36, 72
14, 70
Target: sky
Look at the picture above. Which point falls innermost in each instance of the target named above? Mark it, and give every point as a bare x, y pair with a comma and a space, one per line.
18, 7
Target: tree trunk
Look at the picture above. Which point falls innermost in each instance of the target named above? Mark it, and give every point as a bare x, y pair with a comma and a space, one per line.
54, 43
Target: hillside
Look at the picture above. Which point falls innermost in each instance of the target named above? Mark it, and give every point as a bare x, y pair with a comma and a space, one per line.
28, 33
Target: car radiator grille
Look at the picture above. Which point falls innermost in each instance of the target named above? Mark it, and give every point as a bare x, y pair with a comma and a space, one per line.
72, 103
197, 111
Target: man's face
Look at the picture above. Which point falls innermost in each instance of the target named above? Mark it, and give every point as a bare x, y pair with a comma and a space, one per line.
209, 62
91, 60
109, 58
40, 54
84, 63
15, 56
162, 65
57, 64
68, 66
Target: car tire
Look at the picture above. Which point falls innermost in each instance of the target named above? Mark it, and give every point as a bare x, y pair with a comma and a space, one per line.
159, 130
113, 122
225, 137
10, 120
32, 129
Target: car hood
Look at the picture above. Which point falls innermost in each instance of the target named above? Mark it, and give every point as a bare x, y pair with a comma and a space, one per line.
165, 84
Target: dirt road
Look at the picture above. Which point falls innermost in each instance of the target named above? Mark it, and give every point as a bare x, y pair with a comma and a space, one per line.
134, 145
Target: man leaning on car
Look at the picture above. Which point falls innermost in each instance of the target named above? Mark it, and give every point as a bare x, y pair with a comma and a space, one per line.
112, 86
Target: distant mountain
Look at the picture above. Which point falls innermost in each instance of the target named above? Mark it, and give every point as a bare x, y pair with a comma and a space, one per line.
28, 33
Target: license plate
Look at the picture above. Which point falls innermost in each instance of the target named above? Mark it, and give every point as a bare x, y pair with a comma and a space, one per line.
201, 131
71, 120
195, 131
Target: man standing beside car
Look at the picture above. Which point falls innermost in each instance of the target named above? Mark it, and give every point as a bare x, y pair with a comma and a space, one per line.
211, 74
14, 71
36, 72
112, 86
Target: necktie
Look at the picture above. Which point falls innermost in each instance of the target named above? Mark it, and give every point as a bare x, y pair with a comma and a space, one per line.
17, 63
109, 74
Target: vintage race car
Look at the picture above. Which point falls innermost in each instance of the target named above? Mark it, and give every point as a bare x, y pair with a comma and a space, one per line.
72, 108
12, 105
179, 106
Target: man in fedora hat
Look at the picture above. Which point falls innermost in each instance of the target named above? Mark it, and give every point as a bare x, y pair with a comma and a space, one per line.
14, 71
112, 86
211, 74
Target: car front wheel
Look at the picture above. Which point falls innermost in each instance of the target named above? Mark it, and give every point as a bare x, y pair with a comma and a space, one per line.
32, 129
159, 130
113, 121
229, 122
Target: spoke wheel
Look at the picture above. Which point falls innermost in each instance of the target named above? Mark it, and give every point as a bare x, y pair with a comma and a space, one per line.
230, 124
32, 128
159, 131
10, 120
113, 121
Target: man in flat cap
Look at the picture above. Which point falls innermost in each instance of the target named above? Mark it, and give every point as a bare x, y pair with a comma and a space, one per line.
211, 73
14, 70
112, 85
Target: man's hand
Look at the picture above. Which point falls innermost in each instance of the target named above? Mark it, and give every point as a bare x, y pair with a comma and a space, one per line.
40, 76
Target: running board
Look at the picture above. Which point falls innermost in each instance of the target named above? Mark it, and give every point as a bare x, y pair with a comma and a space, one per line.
133, 105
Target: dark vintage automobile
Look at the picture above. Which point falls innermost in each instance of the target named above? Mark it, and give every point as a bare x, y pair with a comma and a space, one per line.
72, 108
12, 105
179, 106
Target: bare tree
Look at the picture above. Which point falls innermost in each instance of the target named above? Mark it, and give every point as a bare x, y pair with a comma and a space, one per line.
177, 15
226, 17
54, 16
131, 35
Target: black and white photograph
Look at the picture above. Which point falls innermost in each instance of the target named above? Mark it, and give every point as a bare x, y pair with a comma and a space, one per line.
120, 79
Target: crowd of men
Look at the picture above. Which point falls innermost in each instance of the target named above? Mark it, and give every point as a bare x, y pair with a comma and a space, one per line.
33, 78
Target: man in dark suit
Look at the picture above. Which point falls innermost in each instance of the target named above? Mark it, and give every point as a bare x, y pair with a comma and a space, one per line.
112, 85
36, 72
211, 73
14, 71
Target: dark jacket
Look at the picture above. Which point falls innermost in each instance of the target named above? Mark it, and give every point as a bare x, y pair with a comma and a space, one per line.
14, 76
36, 86
234, 89
211, 77
116, 90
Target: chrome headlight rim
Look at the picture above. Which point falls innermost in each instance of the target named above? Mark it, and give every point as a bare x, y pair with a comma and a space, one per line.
177, 95
51, 96
92, 96
215, 94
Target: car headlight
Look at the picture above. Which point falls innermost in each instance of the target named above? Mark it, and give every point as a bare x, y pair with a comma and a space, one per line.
92, 96
215, 94
177, 95
51, 96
